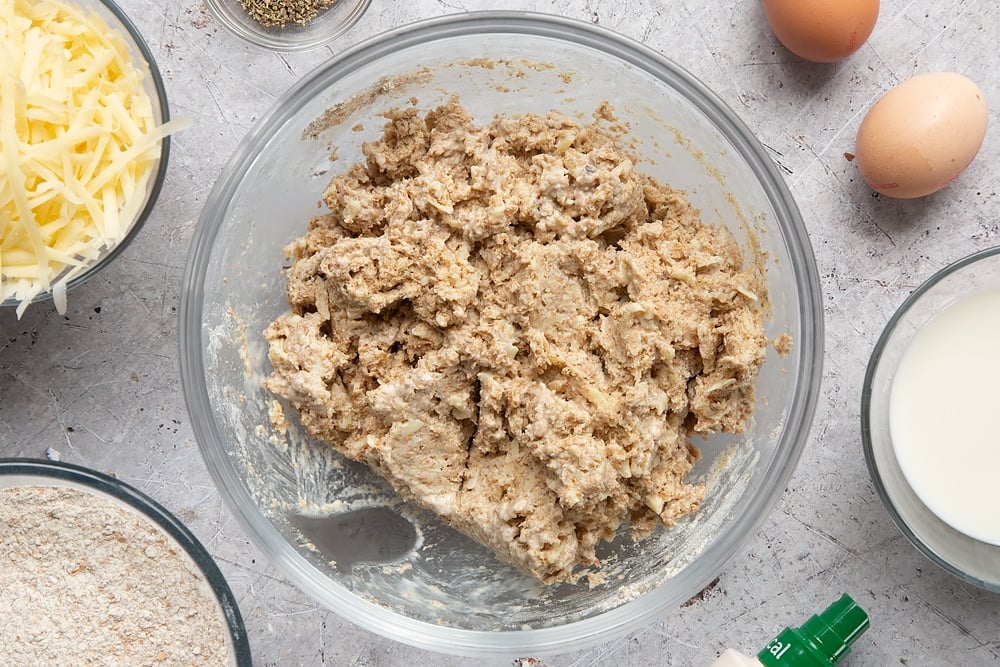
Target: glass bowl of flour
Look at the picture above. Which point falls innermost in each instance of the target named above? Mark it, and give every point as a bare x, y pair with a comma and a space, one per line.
94, 568
417, 580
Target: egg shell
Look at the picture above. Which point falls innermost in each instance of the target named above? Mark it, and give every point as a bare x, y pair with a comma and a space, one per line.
921, 135
823, 31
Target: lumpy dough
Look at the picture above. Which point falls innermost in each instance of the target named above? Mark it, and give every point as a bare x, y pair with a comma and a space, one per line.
519, 331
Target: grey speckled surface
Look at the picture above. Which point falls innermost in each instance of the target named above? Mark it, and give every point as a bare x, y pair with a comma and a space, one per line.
101, 385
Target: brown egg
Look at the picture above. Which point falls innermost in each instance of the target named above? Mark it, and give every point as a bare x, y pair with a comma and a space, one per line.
921, 135
823, 31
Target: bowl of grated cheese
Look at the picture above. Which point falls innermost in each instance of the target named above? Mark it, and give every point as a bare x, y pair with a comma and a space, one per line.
84, 138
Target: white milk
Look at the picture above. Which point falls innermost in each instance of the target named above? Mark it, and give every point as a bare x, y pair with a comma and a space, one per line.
944, 415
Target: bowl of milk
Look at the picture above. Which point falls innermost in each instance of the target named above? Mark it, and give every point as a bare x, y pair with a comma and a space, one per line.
930, 407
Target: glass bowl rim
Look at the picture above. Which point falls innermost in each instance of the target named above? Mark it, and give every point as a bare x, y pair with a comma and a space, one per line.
116, 489
274, 41
808, 351
161, 168
867, 441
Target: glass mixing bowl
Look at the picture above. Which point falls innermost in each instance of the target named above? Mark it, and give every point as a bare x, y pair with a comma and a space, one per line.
449, 594
965, 557
152, 82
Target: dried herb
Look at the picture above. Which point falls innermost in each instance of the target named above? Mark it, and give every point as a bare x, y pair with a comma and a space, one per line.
277, 13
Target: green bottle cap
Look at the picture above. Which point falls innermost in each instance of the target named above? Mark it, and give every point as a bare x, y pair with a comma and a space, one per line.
822, 641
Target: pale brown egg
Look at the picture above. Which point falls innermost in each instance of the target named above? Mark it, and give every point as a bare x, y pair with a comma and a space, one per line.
921, 135
823, 31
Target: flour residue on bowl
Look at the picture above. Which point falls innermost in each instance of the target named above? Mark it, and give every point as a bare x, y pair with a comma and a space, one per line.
342, 111
391, 87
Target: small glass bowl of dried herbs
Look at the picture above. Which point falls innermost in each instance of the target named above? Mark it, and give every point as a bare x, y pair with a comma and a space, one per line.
288, 25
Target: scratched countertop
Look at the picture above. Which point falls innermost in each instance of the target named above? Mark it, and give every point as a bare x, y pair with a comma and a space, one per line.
100, 386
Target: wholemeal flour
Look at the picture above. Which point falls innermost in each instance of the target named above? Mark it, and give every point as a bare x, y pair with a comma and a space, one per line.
85, 581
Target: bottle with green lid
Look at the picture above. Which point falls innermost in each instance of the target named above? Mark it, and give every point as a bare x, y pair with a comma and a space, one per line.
822, 641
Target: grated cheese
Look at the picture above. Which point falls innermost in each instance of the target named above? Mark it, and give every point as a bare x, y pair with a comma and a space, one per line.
79, 145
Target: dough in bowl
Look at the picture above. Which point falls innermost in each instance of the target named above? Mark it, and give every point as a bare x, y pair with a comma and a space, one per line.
519, 331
